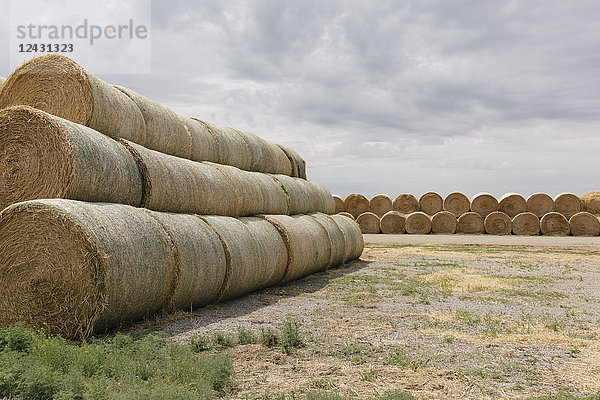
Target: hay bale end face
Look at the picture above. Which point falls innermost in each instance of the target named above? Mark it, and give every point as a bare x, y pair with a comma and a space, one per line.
443, 222
457, 204
567, 204
526, 223
392, 223
380, 204
346, 214
497, 223
591, 202
368, 222
405, 203
356, 204
431, 203
339, 204
584, 224
484, 204
554, 224
470, 223
540, 204
417, 223
512, 204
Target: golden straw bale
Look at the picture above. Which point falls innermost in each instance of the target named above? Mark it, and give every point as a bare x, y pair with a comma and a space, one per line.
337, 241
457, 203
555, 224
339, 204
392, 222
353, 239
368, 222
591, 202
497, 223
443, 222
584, 224
470, 223
405, 203
431, 203
356, 204
380, 204
526, 223
346, 214
484, 204
540, 204
512, 204
298, 165
417, 223
2, 79
567, 204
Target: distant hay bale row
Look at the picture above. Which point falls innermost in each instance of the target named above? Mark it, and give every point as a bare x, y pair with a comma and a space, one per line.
43, 156
120, 263
61, 87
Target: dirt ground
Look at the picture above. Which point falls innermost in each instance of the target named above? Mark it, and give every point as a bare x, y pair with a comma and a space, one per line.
439, 321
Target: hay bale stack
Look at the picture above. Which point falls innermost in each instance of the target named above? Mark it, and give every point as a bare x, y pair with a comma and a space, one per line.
431, 203
356, 204
567, 204
297, 163
346, 214
470, 223
512, 204
42, 156
591, 202
584, 224
484, 204
380, 204
457, 204
540, 204
526, 223
339, 204
497, 223
337, 241
368, 222
417, 223
554, 224
392, 223
353, 239
405, 203
443, 222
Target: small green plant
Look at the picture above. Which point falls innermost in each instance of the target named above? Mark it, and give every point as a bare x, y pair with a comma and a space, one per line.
290, 334
268, 337
199, 343
397, 395
245, 336
221, 341
396, 357
369, 376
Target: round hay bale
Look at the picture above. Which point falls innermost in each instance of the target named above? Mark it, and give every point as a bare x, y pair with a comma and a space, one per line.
307, 241
43, 156
554, 224
204, 144
443, 222
2, 79
512, 204
337, 242
540, 204
470, 223
356, 204
431, 203
71, 267
353, 239
368, 222
339, 204
233, 149
297, 163
591, 202
457, 203
392, 223
346, 214
497, 223
266, 156
584, 224
567, 204
484, 204
417, 223
320, 197
405, 204
380, 204
257, 253
526, 223
58, 85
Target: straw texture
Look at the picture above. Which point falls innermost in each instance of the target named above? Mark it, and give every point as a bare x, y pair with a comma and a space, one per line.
353, 239
339, 204
368, 222
470, 223
431, 203
457, 203
356, 204
497, 223
380, 204
526, 223
567, 204
2, 79
347, 214
393, 223
512, 204
443, 222
405, 203
554, 224
297, 163
418, 223
484, 204
591, 202
584, 224
337, 241
540, 204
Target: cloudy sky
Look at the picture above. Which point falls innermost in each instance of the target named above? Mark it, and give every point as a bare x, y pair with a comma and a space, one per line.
392, 96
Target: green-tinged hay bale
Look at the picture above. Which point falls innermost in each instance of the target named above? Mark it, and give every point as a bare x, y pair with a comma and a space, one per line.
470, 223
166, 130
320, 198
497, 223
526, 224
380, 204
554, 224
71, 267
417, 223
356, 204
204, 144
368, 222
392, 223
297, 163
58, 85
512, 204
584, 224
484, 204
457, 204
591, 202
443, 222
431, 203
567, 204
405, 203
233, 149
267, 156
339, 204
346, 214
201, 256
43, 156
306, 196
307, 241
257, 254
540, 204
354, 242
337, 241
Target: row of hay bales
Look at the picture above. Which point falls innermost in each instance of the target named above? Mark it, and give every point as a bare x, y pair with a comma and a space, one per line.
562, 215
